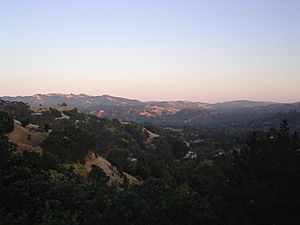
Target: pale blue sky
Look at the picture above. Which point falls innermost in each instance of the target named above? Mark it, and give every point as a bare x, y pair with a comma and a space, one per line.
152, 50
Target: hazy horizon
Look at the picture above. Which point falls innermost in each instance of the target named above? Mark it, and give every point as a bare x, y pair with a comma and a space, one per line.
206, 51
151, 100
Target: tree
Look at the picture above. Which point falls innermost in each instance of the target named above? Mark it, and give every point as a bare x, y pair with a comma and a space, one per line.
47, 127
70, 143
97, 176
6, 123
179, 148
263, 185
25, 122
284, 128
53, 215
118, 157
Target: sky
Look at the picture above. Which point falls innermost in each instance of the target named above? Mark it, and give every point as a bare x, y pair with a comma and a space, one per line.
197, 50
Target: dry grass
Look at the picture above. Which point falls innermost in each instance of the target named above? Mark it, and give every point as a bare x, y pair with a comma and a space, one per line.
57, 107
151, 136
61, 108
20, 136
108, 169
63, 117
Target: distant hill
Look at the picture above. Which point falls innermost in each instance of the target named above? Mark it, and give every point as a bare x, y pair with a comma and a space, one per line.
158, 112
80, 101
83, 101
239, 104
110, 106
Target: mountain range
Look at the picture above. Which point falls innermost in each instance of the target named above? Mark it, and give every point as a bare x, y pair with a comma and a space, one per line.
156, 111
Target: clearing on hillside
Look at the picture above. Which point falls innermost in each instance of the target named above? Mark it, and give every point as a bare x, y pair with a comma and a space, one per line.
110, 171
27, 137
151, 136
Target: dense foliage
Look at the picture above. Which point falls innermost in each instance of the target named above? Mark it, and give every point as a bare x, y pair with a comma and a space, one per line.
255, 183
69, 143
6, 123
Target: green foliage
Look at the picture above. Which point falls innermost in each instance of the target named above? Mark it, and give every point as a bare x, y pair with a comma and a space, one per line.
264, 181
25, 122
19, 110
179, 149
53, 215
97, 176
55, 113
257, 184
6, 123
47, 127
74, 114
70, 143
118, 157
78, 169
206, 163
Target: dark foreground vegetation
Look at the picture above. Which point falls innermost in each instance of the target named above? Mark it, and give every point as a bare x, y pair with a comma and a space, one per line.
256, 182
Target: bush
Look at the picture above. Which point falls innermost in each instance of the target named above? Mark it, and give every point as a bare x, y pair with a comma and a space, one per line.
118, 157
25, 122
6, 123
70, 144
47, 127
97, 176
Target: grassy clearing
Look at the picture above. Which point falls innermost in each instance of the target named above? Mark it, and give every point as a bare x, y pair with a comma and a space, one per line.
27, 137
110, 171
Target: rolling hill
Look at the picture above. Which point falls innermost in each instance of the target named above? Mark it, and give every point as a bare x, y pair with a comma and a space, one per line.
157, 112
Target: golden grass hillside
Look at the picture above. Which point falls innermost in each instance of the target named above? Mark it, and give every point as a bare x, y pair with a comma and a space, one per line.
26, 137
110, 171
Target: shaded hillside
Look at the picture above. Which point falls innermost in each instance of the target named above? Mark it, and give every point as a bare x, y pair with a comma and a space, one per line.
115, 177
240, 104
257, 183
160, 113
70, 136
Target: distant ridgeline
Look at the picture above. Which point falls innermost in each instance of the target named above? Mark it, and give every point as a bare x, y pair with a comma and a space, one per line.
62, 166
242, 114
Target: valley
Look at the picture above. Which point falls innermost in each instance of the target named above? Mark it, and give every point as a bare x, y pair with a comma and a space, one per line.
158, 155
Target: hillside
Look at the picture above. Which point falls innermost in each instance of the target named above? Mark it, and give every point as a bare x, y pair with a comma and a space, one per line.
33, 137
27, 138
115, 177
155, 112
91, 170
